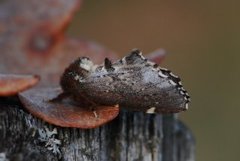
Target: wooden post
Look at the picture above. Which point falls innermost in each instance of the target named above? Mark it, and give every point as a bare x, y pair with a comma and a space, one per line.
132, 136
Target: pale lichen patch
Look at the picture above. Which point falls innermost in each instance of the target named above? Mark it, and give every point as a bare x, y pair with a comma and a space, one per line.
3, 157
51, 143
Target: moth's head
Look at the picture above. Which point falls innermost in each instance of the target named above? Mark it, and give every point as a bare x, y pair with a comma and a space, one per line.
76, 73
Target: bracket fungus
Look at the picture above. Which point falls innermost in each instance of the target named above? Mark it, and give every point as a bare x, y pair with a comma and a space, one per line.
12, 84
65, 113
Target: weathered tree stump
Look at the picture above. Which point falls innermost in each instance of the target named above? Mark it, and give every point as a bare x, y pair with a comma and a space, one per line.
132, 136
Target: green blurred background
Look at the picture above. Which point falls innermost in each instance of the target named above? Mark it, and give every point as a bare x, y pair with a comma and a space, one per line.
202, 39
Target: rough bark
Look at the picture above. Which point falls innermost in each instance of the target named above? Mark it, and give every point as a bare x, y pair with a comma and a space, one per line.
133, 136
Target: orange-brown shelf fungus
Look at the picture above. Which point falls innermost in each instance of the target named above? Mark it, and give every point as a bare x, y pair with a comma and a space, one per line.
65, 112
11, 84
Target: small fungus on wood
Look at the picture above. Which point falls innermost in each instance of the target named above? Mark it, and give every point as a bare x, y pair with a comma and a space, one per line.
11, 84
65, 112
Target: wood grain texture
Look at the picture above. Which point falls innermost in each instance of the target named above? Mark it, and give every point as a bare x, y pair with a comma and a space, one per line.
131, 136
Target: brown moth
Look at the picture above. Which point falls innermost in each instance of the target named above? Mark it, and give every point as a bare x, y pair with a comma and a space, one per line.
133, 83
